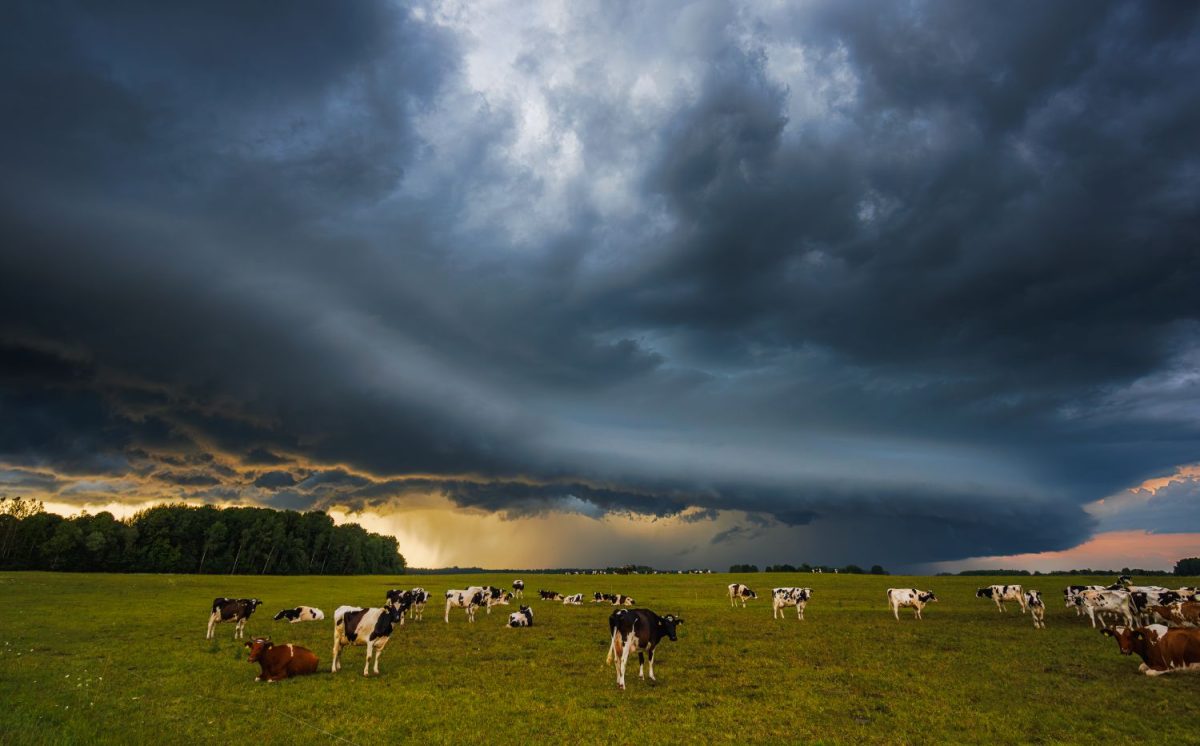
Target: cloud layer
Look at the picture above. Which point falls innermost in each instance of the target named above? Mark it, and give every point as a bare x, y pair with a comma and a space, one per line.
917, 277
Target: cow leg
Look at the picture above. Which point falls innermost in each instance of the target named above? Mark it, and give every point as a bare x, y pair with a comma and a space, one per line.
641, 665
613, 652
237, 628
337, 649
630, 641
367, 662
447, 611
896, 611
799, 611
379, 646
212, 623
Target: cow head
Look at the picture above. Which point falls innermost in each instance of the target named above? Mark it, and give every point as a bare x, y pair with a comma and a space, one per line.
983, 593
927, 597
1126, 638
258, 646
670, 625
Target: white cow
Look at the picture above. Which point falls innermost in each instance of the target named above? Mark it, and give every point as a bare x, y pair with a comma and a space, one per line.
573, 600
739, 592
469, 599
1037, 609
522, 618
781, 598
1098, 603
1001, 593
911, 598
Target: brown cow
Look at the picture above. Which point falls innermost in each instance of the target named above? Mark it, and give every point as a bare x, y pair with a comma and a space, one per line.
278, 662
1162, 650
1180, 614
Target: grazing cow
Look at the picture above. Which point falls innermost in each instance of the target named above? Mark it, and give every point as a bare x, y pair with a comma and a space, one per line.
599, 598
522, 618
1001, 593
1037, 609
1161, 649
781, 598
909, 597
550, 595
1099, 603
518, 589
301, 614
278, 662
573, 600
739, 592
373, 627
236, 610
493, 596
639, 629
469, 599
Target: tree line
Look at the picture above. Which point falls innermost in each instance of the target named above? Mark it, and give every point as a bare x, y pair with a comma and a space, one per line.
805, 567
191, 539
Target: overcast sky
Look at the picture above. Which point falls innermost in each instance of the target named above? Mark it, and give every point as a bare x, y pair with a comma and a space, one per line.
594, 283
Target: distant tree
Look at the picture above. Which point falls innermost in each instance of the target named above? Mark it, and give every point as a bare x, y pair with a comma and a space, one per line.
743, 568
878, 570
780, 568
1188, 566
853, 570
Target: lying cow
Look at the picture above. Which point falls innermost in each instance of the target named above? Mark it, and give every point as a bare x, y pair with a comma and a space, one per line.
913, 598
278, 662
301, 614
621, 600
1161, 649
550, 595
600, 598
1179, 614
1037, 609
781, 598
236, 610
373, 627
573, 600
739, 592
518, 589
469, 599
522, 618
641, 630
1099, 603
1001, 593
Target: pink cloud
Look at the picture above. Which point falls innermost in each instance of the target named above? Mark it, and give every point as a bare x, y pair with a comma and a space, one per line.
1110, 550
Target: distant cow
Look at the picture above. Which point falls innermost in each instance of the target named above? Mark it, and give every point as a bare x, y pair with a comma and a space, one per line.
1001, 593
468, 599
573, 600
1037, 609
599, 598
493, 596
739, 592
278, 662
236, 610
301, 614
550, 595
416, 599
1099, 603
1071, 596
1161, 649
911, 598
522, 618
373, 627
622, 600
781, 598
518, 589
641, 630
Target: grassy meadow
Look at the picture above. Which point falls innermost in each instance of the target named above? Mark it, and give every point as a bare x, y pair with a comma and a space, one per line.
122, 659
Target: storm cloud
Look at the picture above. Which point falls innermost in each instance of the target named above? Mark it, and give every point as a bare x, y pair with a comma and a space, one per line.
891, 282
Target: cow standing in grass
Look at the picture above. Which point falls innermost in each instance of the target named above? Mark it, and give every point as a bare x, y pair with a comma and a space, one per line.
518, 589
1099, 603
468, 599
1037, 609
1001, 593
909, 598
739, 592
236, 610
781, 598
641, 630
279, 662
353, 625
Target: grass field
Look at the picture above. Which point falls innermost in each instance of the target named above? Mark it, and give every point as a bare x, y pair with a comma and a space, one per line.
123, 659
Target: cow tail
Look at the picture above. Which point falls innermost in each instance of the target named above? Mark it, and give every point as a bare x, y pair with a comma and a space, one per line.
612, 647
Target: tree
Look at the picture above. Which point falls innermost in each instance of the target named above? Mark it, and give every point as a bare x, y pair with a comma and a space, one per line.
878, 570
1188, 566
743, 568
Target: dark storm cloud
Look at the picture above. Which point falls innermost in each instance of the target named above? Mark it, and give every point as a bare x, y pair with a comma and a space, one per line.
926, 269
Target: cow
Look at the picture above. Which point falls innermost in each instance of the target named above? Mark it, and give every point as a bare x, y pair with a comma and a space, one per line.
781, 598
518, 589
550, 595
600, 598
739, 592
639, 629
1098, 603
522, 618
236, 610
573, 600
1071, 595
493, 596
622, 600
909, 597
1037, 609
1178, 614
372, 627
414, 600
1161, 649
301, 614
278, 662
1142, 598
469, 599
1001, 593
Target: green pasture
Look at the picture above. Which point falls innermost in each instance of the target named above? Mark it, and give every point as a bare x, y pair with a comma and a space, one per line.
90, 658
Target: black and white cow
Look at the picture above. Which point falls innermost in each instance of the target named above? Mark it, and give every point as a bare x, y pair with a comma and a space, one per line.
1071, 596
781, 598
909, 598
301, 614
641, 630
419, 597
493, 596
1142, 598
373, 627
236, 610
599, 598
622, 600
739, 592
550, 595
518, 589
575, 599
1001, 593
522, 618
1037, 609
469, 599
1099, 603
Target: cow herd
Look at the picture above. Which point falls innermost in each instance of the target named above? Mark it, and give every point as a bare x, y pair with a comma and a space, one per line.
1159, 624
